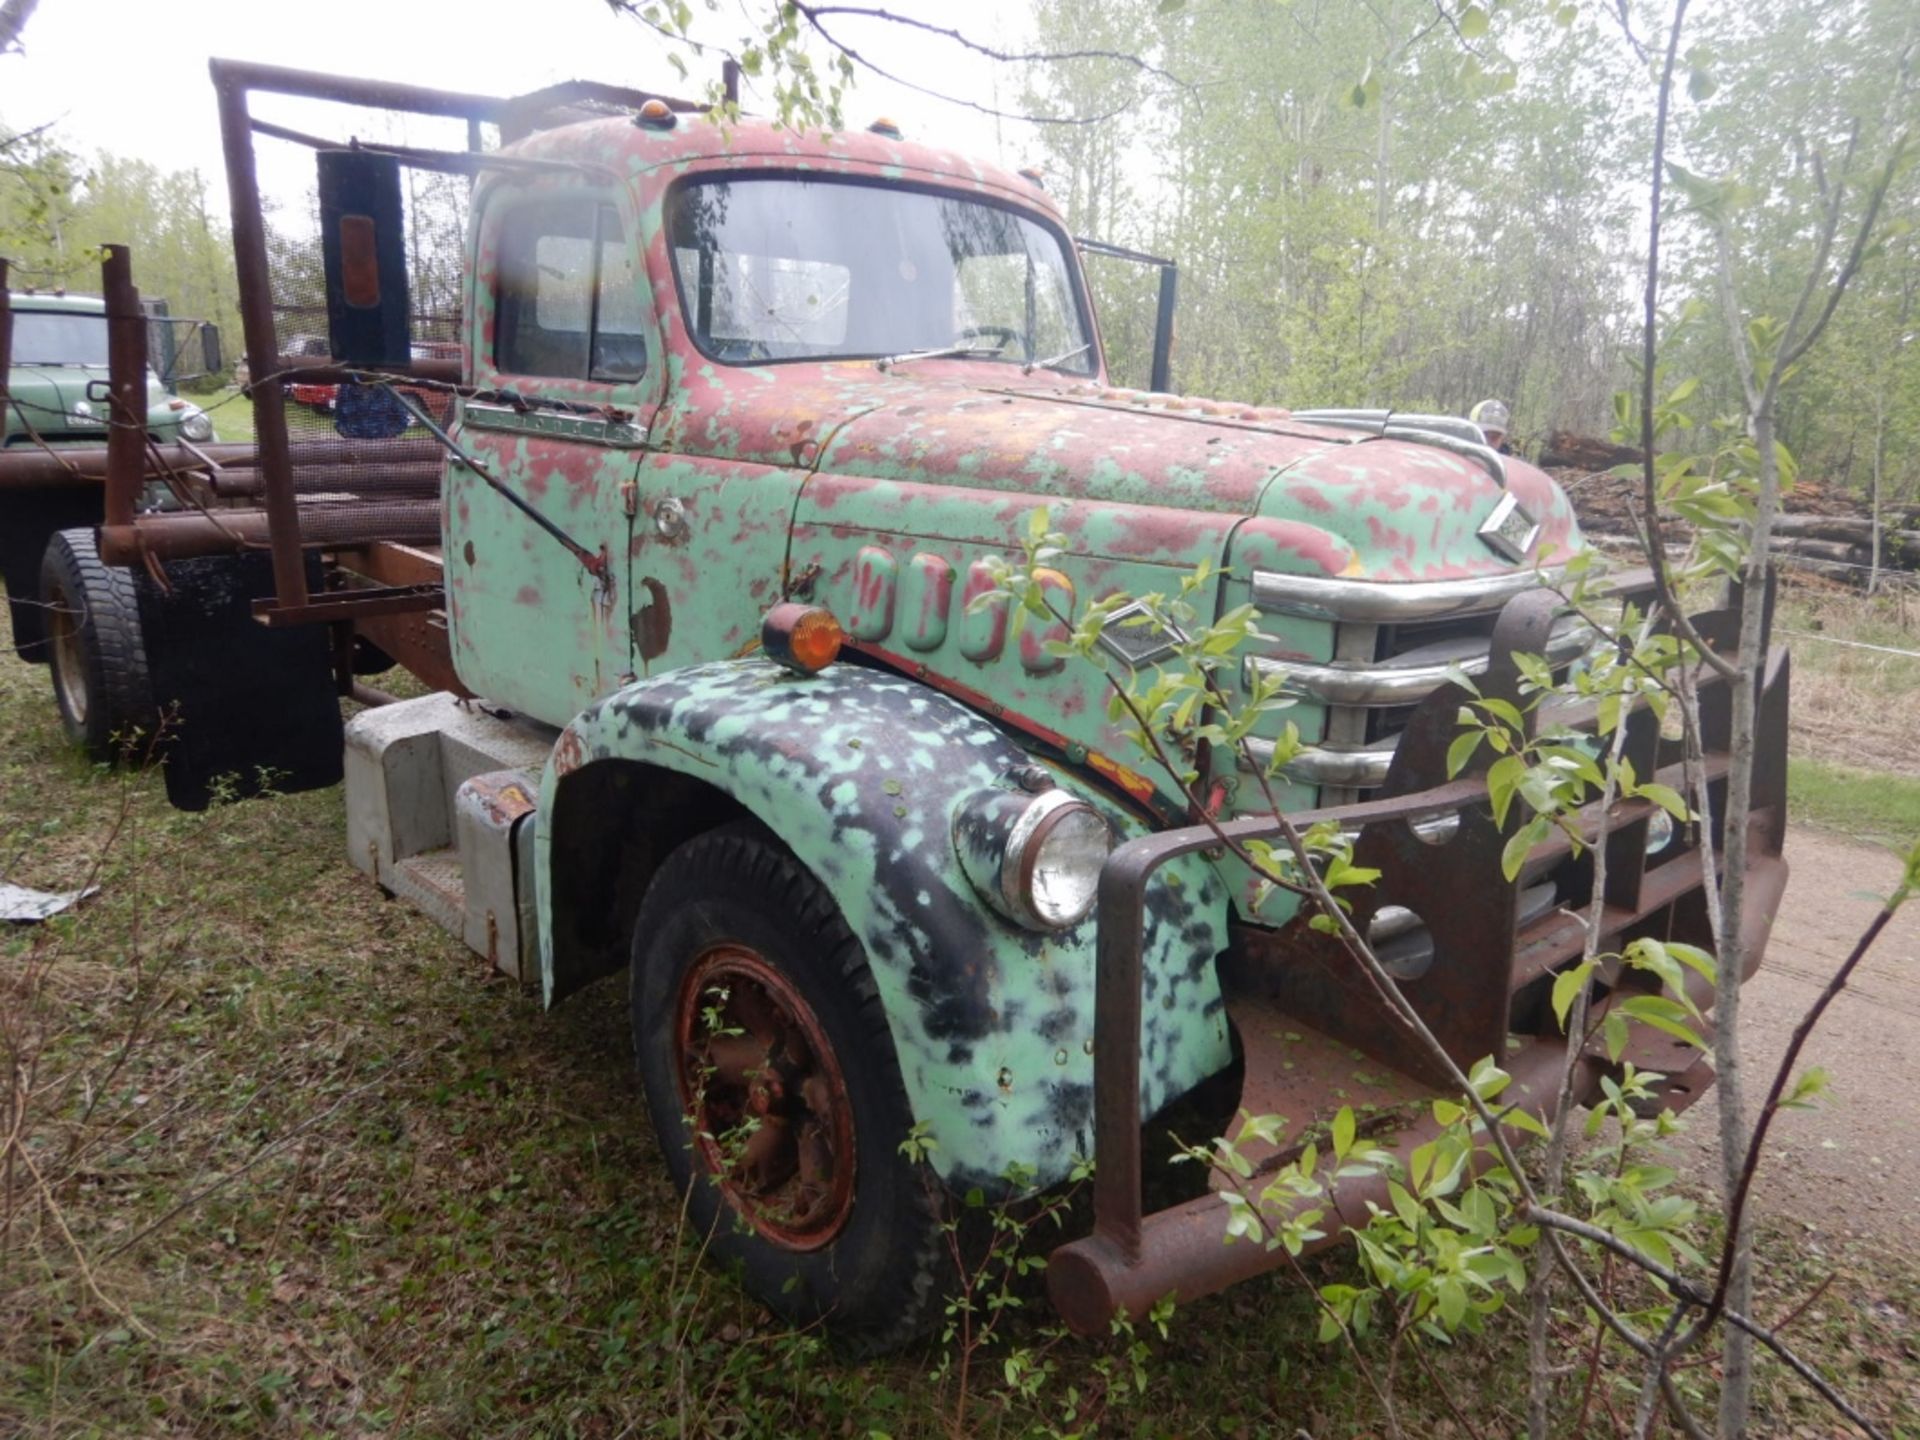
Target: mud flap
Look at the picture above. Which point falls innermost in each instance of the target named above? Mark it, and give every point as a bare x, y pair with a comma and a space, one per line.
246, 710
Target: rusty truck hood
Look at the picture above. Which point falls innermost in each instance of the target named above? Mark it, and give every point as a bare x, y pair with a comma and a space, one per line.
1349, 504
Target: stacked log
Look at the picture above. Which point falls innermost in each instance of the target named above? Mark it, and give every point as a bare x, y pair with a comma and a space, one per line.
1840, 547
1566, 450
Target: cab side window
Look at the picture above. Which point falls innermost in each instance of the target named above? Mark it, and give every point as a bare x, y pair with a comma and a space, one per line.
568, 301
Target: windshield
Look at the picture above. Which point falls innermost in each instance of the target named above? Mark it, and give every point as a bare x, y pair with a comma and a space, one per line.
53, 337
773, 268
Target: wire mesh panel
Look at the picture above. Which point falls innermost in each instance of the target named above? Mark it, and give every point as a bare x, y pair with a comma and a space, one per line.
369, 442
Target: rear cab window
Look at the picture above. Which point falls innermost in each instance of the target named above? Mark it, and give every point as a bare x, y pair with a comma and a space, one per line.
569, 297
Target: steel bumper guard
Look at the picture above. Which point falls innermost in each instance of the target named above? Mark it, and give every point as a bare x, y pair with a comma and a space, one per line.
1304, 1013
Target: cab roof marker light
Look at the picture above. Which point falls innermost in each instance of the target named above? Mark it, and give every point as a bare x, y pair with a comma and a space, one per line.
656, 115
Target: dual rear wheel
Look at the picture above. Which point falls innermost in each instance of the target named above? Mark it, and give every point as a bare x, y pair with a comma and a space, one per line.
95, 649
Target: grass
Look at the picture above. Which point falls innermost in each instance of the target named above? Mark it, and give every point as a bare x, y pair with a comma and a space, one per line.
1864, 804
1854, 706
310, 1168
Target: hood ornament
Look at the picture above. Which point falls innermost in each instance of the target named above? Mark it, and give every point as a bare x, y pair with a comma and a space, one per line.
1509, 530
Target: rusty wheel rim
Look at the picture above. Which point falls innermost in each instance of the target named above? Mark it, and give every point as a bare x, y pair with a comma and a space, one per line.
69, 666
772, 1119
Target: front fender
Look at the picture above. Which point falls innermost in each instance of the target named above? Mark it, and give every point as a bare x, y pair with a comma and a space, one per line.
860, 774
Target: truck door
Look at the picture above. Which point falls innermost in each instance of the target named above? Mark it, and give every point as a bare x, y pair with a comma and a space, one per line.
537, 564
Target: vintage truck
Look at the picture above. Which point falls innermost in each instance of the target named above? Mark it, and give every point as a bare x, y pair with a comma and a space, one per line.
52, 399
742, 418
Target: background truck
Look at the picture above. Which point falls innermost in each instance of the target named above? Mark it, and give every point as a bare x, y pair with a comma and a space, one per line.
725, 695
54, 400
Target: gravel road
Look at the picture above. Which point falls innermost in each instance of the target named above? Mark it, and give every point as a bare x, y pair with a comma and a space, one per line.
1850, 1169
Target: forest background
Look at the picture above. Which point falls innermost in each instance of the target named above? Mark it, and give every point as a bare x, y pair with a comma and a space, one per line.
1373, 202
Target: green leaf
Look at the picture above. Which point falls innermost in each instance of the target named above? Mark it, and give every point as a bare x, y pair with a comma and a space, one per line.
1567, 986
1514, 856
1663, 1015
1343, 1132
1473, 23
1461, 751
1614, 1031
1502, 779
1667, 798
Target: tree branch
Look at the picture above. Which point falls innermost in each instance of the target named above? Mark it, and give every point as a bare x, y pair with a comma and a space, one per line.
1006, 57
1686, 1290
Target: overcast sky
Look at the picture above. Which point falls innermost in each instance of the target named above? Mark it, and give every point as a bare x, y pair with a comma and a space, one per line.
131, 75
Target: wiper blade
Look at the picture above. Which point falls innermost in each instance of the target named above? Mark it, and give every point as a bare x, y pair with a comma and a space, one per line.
1053, 360
944, 352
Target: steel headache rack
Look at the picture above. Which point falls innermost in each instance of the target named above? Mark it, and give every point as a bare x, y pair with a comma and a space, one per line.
1307, 1018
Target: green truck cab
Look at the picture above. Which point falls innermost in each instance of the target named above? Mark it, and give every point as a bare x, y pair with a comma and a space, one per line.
744, 419
56, 381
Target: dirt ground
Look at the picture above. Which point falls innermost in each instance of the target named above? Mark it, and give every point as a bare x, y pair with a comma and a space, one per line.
1851, 1168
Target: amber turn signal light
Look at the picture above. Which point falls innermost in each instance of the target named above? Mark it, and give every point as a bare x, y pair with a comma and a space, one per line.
656, 115
804, 638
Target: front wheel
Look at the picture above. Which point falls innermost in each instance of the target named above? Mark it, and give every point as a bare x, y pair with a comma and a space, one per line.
772, 1083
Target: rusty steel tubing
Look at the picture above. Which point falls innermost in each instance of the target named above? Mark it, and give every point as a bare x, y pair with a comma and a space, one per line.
1184, 1250
1121, 910
185, 536
126, 384
80, 465
417, 477
257, 324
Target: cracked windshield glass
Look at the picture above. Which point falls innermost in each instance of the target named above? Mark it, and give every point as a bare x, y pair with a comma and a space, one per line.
779, 269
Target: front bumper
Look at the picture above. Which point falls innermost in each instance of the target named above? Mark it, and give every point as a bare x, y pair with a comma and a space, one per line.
1302, 1009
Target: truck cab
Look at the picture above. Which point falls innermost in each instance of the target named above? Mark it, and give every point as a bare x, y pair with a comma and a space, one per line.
57, 378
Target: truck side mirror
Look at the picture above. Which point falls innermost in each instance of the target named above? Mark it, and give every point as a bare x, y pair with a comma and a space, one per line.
210, 350
1162, 380
363, 247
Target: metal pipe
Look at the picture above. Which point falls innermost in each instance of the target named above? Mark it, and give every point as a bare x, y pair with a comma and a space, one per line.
87, 464
245, 75
420, 477
231, 82
126, 385
1184, 1250
240, 76
366, 695
187, 534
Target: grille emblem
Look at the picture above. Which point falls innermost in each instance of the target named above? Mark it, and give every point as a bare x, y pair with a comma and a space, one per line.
1509, 530
1135, 645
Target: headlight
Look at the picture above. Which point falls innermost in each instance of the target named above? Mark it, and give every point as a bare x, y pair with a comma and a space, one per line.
1035, 858
1660, 831
196, 426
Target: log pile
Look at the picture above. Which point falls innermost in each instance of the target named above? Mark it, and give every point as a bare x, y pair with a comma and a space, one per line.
1565, 450
1823, 531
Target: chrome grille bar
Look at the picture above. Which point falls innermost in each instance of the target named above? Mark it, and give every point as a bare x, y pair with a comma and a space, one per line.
1359, 768
1323, 597
1404, 679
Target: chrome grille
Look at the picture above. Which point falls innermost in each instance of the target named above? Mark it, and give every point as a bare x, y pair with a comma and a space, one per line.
1393, 646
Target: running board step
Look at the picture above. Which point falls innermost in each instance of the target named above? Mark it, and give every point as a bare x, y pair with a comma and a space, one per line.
441, 795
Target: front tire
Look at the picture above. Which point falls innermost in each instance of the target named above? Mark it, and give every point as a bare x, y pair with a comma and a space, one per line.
96, 650
773, 1085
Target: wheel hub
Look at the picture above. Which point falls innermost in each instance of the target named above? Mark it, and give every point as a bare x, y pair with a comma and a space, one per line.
772, 1119
69, 665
